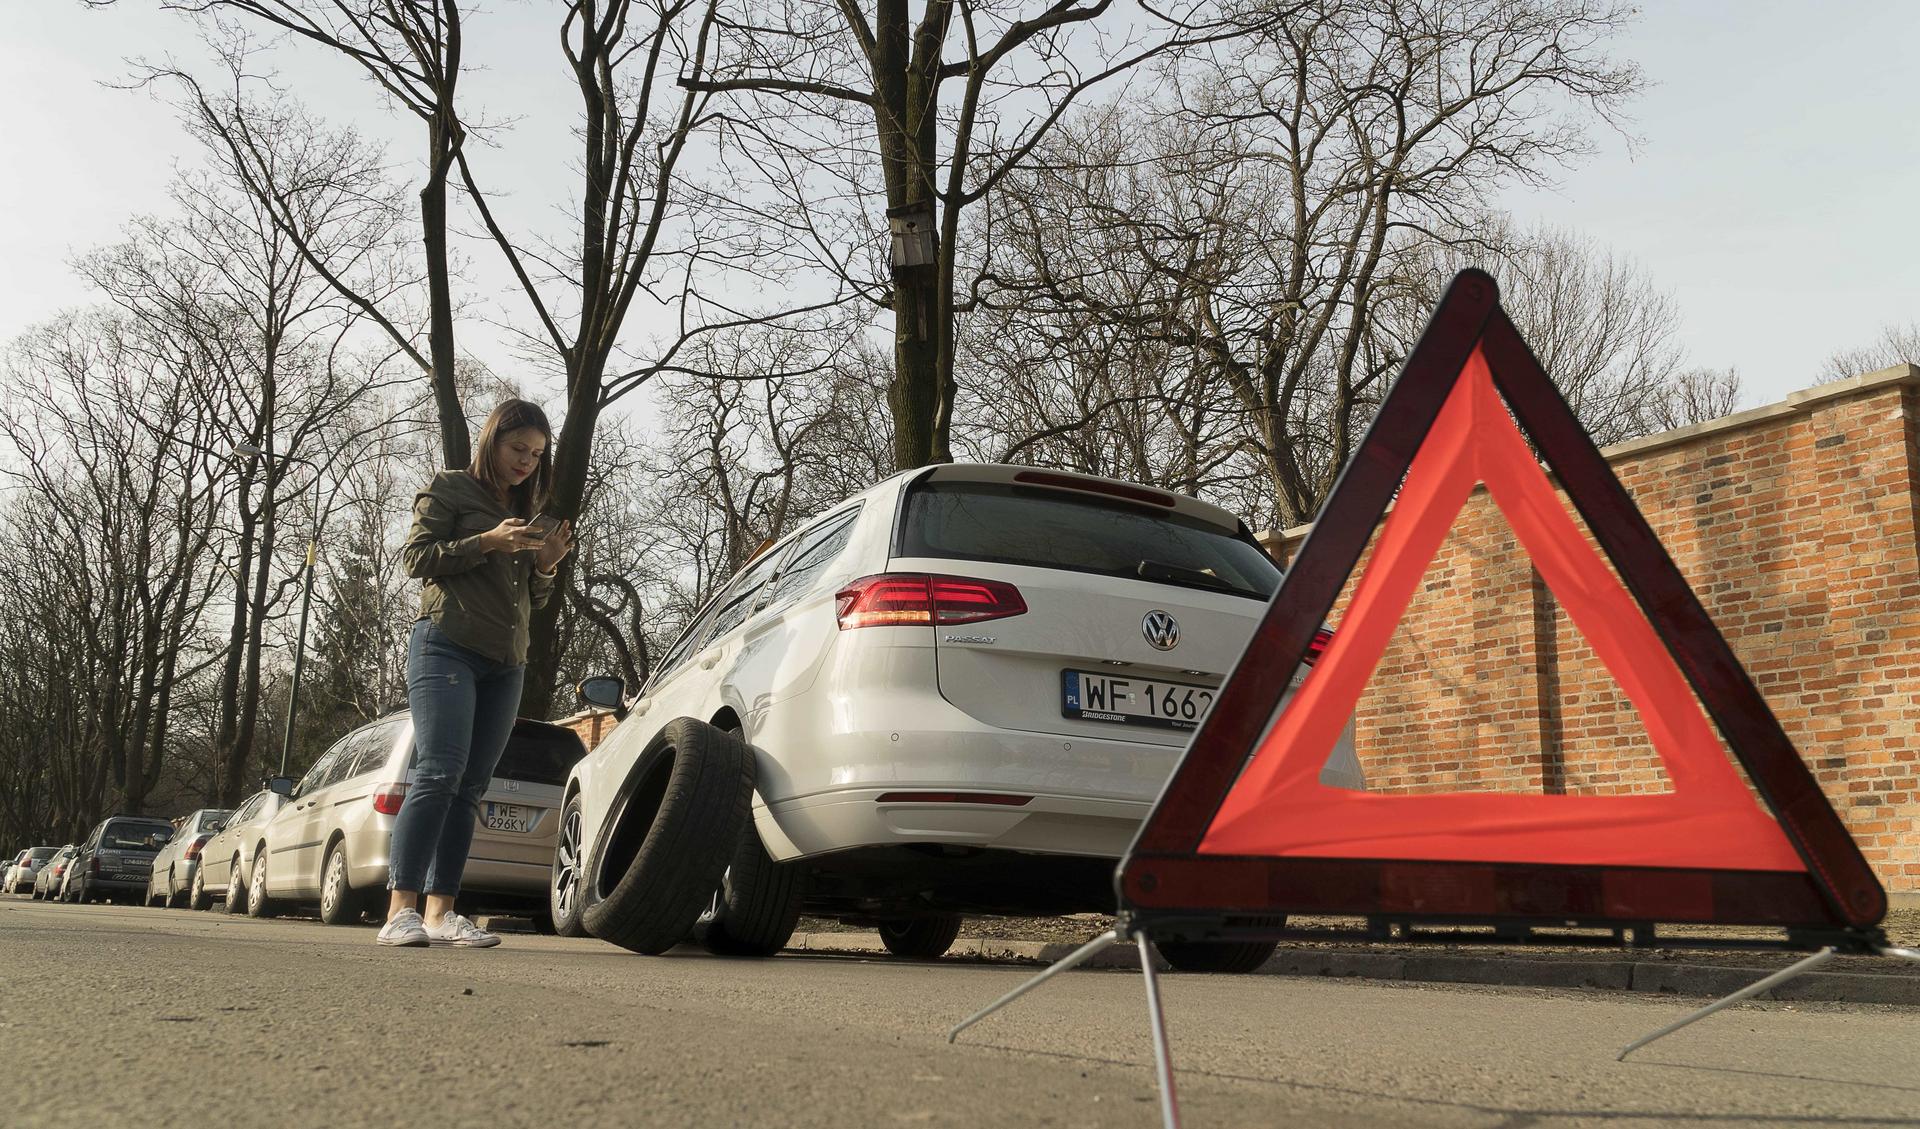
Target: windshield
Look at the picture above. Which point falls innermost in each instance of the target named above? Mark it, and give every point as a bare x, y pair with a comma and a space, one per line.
1021, 525
135, 836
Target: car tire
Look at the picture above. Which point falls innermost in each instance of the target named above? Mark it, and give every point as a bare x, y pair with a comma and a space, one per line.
236, 893
758, 903
258, 903
920, 938
172, 899
564, 878
339, 904
704, 779
198, 900
1216, 956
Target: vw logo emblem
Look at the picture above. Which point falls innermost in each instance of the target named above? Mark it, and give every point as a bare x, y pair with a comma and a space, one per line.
1161, 630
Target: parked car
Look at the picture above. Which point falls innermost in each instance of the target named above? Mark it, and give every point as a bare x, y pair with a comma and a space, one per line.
178, 863
46, 884
328, 843
25, 866
957, 692
116, 859
220, 859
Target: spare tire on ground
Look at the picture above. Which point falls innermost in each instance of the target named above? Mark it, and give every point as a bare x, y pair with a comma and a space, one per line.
672, 837
758, 903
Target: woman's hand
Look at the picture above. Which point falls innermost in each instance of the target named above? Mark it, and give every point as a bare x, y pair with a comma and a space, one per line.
510, 536
555, 548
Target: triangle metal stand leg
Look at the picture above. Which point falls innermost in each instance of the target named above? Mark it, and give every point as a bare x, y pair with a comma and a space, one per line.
1798, 968
1156, 1018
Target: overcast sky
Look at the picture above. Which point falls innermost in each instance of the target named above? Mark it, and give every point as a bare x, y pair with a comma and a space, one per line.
1771, 190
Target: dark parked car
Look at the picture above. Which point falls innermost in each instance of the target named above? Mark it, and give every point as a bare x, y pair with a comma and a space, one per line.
116, 859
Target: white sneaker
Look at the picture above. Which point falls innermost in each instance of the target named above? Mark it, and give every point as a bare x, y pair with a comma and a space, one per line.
454, 929
403, 928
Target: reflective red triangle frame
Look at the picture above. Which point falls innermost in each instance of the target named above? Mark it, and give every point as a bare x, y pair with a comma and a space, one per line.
1165, 875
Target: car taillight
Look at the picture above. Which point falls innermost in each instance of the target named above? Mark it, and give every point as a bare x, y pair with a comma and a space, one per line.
388, 797
907, 598
95, 866
193, 848
1318, 647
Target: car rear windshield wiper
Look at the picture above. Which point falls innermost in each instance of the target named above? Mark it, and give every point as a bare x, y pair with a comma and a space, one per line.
1180, 574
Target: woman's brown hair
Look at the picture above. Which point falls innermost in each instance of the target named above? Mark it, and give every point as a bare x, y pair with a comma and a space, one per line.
510, 416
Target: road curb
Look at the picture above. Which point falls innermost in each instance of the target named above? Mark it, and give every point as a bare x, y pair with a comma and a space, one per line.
1707, 978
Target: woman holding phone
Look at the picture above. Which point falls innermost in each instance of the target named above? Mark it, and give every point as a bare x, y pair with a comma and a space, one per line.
486, 565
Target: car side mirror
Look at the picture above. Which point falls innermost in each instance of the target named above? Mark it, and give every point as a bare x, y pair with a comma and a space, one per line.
606, 692
280, 785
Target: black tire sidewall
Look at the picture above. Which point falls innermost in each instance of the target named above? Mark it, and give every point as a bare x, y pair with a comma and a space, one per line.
705, 804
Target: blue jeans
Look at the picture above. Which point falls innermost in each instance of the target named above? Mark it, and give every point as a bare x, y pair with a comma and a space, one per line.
464, 705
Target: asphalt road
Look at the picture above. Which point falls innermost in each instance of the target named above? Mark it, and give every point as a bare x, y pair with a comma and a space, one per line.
127, 1016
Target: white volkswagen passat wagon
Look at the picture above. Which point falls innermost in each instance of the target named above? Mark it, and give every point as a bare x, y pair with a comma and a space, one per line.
958, 692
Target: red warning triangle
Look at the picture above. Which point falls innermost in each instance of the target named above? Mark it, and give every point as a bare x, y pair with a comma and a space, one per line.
1279, 807
1238, 835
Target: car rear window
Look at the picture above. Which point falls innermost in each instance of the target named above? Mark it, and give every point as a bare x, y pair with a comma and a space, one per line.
208, 819
1021, 525
539, 756
42, 854
135, 836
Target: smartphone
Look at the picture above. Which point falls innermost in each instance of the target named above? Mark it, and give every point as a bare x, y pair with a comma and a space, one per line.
543, 525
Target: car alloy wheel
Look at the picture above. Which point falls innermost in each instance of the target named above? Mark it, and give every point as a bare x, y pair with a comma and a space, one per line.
566, 866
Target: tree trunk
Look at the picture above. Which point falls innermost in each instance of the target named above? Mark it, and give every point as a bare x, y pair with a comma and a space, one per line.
572, 454
455, 445
914, 396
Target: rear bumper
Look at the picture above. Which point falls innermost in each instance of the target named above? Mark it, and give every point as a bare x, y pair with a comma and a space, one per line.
1045, 824
111, 883
522, 871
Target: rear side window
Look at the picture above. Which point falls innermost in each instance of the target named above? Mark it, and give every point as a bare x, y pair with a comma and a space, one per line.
737, 603
372, 748
123, 836
539, 756
812, 553
1019, 525
247, 809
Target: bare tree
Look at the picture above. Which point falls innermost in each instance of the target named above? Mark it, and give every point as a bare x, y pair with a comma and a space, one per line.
920, 118
1897, 344
1289, 187
111, 444
411, 49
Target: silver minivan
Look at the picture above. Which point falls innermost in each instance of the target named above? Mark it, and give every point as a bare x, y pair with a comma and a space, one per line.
328, 843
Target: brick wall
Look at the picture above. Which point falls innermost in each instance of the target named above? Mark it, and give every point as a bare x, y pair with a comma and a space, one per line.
1795, 524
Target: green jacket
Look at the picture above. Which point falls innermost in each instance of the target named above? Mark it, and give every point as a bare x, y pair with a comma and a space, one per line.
481, 599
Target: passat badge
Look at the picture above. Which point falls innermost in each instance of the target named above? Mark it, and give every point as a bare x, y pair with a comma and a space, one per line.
1161, 630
